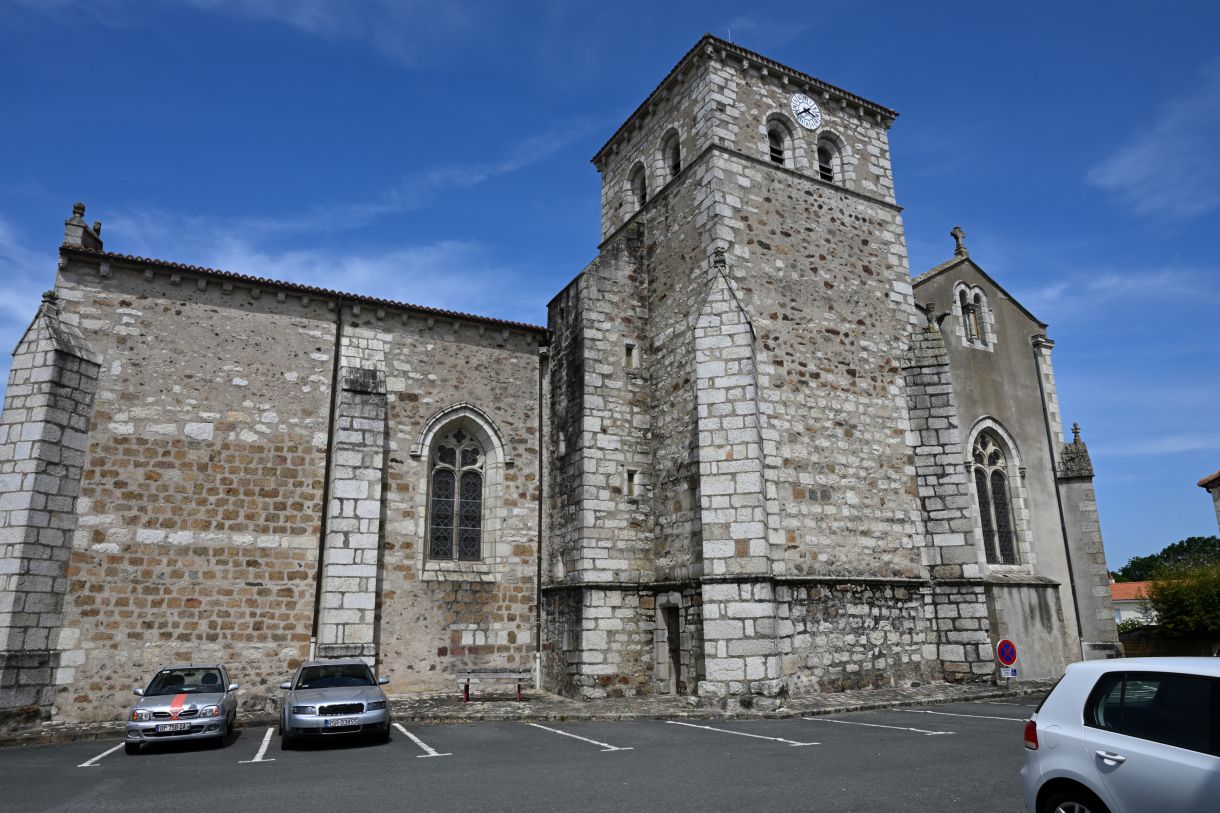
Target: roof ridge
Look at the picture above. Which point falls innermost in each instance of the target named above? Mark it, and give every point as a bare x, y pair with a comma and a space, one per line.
296, 286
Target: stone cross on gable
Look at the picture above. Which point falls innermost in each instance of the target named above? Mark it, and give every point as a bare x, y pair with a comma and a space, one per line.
959, 237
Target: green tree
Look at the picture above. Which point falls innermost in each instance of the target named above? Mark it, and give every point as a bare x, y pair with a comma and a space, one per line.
1186, 600
1195, 551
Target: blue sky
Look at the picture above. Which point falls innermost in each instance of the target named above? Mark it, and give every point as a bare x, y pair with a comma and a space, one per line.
438, 153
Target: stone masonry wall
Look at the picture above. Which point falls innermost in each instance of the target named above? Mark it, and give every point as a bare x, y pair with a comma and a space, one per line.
958, 610
436, 617
47, 406
346, 618
851, 636
199, 515
1090, 570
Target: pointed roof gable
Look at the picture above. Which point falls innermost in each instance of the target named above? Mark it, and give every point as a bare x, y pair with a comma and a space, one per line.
956, 262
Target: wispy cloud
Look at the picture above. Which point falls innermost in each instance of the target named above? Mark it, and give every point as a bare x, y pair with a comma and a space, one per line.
1160, 445
409, 31
411, 193
1086, 292
456, 275
1171, 166
400, 29
24, 273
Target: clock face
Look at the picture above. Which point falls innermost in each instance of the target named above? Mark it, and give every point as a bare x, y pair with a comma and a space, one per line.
806, 111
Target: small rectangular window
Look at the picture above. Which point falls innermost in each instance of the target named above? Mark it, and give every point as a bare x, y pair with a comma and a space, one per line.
629, 359
631, 482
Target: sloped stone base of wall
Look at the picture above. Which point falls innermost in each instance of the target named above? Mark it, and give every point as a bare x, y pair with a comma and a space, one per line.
26, 693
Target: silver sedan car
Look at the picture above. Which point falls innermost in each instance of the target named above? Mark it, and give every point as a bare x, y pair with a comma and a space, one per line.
183, 703
333, 697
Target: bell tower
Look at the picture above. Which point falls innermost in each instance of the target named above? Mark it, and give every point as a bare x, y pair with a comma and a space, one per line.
753, 259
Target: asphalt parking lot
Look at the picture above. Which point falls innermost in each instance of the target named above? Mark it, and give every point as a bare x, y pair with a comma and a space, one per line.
955, 756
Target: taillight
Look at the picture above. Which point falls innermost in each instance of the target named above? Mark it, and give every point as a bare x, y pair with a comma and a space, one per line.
1031, 735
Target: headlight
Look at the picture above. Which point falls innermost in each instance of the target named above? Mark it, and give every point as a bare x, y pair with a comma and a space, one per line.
141, 715
209, 711
304, 709
376, 705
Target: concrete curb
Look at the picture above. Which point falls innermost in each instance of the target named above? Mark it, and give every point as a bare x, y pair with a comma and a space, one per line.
542, 706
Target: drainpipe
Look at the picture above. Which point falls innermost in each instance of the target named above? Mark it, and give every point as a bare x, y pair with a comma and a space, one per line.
543, 354
1038, 341
330, 442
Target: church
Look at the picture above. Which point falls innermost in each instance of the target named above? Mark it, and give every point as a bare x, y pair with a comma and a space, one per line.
748, 457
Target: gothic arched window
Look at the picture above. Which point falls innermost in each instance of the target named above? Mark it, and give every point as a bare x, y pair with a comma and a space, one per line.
775, 141
455, 516
995, 501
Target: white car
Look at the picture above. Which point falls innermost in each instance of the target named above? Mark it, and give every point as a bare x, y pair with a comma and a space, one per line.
1129, 735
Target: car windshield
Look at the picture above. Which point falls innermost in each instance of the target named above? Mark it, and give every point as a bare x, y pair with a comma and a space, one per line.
333, 675
185, 681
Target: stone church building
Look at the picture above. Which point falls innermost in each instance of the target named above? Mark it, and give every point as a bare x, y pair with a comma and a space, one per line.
748, 457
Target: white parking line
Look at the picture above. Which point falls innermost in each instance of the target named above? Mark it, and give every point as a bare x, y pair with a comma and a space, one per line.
262, 749
742, 733
952, 714
605, 746
92, 763
430, 752
876, 725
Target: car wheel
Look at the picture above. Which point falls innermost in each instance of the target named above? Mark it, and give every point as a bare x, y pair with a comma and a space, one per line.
383, 735
286, 739
131, 748
1073, 800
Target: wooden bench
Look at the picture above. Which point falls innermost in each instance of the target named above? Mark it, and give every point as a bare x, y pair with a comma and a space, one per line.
518, 677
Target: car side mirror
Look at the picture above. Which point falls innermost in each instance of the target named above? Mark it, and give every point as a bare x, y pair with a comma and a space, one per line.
383, 680
234, 687
138, 692
286, 685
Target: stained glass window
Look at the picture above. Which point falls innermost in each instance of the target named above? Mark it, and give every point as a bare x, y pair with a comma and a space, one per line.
455, 523
995, 508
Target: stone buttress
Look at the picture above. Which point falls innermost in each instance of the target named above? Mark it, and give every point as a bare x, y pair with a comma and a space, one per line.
43, 439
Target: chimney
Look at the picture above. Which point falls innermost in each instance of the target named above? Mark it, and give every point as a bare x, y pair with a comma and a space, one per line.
77, 233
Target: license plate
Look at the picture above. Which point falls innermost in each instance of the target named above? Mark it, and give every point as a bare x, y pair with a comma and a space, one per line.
340, 722
165, 727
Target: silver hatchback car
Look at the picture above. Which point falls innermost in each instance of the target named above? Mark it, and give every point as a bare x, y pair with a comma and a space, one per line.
333, 697
1130, 735
183, 703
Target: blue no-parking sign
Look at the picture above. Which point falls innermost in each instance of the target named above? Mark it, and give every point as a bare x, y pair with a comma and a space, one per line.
1006, 652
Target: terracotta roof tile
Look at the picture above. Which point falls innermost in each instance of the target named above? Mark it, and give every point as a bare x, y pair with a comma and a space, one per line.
1129, 591
1210, 481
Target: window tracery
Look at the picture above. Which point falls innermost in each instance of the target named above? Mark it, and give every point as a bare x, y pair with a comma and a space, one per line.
991, 483
455, 516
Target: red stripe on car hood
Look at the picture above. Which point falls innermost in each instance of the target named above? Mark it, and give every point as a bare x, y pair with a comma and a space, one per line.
176, 705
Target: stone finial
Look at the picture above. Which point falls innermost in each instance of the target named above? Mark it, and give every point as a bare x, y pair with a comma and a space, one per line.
50, 297
718, 260
77, 233
1074, 460
959, 238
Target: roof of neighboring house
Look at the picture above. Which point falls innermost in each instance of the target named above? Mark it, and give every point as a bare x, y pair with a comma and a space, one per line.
1129, 591
1210, 481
